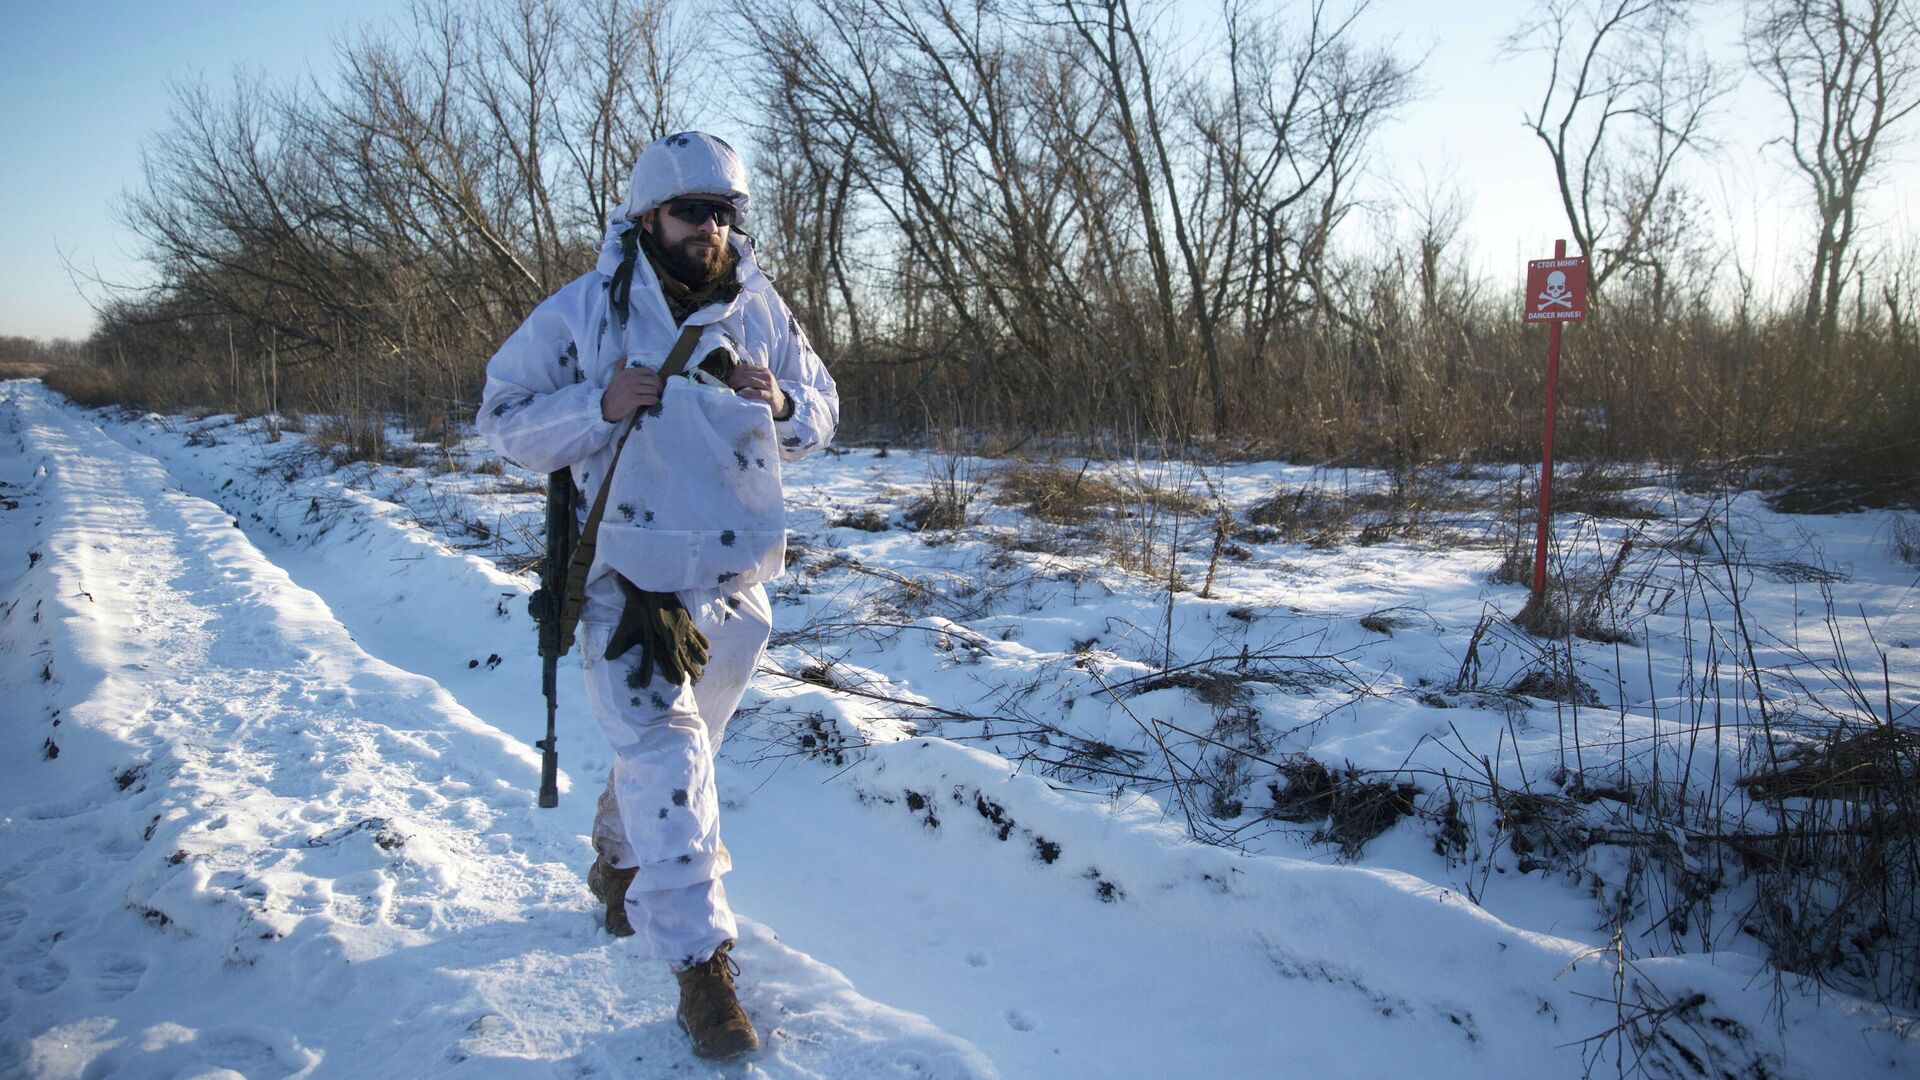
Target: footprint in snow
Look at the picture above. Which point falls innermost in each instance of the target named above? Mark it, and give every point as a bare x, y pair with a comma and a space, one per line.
1020, 1021
43, 976
413, 915
235, 881
240, 1050
116, 975
358, 910
10, 919
66, 880
120, 848
60, 811
310, 902
425, 801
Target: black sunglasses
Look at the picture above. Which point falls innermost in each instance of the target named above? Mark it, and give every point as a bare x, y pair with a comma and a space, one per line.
697, 211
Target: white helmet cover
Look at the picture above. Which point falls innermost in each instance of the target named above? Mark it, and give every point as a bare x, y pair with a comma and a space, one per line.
690, 163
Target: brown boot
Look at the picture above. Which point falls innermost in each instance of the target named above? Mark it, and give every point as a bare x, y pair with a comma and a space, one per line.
710, 1013
608, 884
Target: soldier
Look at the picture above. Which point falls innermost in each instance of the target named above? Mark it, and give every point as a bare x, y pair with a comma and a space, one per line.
673, 616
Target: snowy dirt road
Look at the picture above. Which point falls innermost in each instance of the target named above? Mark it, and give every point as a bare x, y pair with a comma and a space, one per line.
289, 831
236, 843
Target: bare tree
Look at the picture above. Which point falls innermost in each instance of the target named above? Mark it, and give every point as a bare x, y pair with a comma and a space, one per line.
806, 198
1282, 140
1120, 66
1847, 72
1625, 98
1439, 210
400, 218
635, 66
1672, 266
1044, 191
916, 146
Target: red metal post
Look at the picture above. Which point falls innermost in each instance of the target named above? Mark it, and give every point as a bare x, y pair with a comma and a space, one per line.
1546, 453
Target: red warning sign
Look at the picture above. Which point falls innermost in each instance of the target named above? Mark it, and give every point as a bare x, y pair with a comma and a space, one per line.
1556, 290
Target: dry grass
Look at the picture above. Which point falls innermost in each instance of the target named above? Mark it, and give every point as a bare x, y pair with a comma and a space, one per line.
34, 358
1304, 514
351, 438
1056, 494
1839, 881
1154, 523
1861, 470
1822, 832
1465, 386
1905, 540
866, 519
24, 369
1353, 806
159, 388
1848, 762
1164, 496
1074, 496
939, 510
1597, 490
1138, 521
947, 501
1414, 504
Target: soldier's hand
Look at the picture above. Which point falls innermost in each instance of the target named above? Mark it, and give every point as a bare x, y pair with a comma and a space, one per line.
758, 384
631, 388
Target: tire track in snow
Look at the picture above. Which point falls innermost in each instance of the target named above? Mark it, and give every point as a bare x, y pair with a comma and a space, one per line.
286, 857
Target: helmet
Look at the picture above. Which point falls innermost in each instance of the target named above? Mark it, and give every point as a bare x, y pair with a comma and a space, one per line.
690, 163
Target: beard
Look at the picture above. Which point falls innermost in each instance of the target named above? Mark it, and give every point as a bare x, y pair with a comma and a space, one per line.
695, 264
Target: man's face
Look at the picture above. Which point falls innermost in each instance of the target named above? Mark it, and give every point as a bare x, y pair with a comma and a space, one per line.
694, 250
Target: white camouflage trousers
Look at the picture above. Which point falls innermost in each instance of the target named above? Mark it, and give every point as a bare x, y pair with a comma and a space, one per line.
660, 811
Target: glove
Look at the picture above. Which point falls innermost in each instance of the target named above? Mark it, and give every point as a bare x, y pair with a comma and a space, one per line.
661, 627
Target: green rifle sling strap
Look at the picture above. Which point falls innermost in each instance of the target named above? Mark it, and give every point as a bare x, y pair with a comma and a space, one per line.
582, 560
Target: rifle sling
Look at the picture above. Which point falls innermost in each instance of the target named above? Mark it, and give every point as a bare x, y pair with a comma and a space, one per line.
582, 555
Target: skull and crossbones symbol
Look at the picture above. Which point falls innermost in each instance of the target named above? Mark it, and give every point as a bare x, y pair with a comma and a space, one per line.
1557, 293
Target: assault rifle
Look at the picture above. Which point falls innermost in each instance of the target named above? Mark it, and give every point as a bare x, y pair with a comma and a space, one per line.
563, 574
546, 606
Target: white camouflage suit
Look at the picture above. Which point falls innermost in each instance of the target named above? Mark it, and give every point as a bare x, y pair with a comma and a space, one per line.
541, 410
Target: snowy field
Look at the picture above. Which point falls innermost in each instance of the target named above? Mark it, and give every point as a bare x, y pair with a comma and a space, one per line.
1065, 791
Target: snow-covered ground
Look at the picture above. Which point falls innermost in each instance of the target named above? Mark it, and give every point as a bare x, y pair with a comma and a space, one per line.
266, 785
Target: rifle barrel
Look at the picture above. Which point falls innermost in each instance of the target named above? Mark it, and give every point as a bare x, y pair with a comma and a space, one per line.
553, 574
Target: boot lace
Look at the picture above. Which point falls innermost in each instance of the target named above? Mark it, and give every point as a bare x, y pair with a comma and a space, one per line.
713, 982
722, 966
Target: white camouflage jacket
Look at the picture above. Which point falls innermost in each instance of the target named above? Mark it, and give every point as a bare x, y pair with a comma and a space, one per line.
541, 405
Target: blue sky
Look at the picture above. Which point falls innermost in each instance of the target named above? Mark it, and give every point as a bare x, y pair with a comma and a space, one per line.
83, 83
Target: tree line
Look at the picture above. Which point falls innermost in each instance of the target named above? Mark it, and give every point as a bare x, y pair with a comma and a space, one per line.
1060, 218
